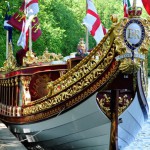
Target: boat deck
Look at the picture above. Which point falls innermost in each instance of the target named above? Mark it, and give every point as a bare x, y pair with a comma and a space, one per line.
8, 141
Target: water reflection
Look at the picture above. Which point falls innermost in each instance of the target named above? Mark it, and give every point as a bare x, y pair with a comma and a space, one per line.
142, 141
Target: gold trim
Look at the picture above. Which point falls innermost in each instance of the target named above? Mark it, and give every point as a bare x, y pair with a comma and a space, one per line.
55, 110
10, 64
123, 101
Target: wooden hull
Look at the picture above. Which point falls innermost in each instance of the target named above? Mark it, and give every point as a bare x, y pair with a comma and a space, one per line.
84, 127
132, 122
81, 127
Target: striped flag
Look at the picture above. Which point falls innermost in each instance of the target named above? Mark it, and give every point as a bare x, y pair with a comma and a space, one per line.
30, 7
93, 23
126, 5
146, 4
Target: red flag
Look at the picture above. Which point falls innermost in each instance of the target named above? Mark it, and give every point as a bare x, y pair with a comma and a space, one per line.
17, 20
30, 8
146, 4
22, 22
36, 31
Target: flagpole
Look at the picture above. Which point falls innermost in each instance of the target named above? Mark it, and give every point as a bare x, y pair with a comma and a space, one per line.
30, 32
30, 36
87, 40
7, 35
87, 33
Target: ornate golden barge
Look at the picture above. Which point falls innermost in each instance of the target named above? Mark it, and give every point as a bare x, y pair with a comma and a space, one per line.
97, 102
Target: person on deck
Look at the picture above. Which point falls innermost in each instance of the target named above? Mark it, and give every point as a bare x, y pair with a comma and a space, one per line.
81, 49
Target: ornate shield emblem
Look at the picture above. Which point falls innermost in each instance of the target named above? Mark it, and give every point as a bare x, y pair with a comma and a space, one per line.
134, 34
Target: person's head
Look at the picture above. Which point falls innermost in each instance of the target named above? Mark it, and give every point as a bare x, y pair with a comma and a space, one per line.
81, 46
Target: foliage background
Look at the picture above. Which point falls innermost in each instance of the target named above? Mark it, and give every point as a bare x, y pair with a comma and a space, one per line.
61, 24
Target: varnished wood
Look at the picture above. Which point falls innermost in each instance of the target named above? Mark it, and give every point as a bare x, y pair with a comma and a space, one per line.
114, 120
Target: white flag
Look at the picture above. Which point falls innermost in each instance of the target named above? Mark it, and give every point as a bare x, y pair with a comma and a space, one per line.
93, 23
23, 37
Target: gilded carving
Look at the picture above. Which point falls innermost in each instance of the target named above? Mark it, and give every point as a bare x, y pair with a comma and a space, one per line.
105, 101
32, 59
16, 81
10, 64
144, 76
63, 96
48, 57
76, 84
129, 66
68, 104
26, 97
29, 59
126, 65
40, 85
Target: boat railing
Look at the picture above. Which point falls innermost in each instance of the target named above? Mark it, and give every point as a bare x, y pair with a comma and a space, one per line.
9, 91
16, 87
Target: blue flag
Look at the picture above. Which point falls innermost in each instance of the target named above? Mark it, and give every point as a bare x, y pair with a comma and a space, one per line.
8, 26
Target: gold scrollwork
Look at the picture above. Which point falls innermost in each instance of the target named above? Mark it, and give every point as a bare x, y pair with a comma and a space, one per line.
129, 66
50, 102
48, 57
67, 94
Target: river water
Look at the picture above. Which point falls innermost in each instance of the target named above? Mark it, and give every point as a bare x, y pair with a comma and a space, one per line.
142, 141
